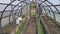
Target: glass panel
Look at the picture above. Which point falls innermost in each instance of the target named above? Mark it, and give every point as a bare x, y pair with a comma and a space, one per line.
11, 19
5, 1
5, 21
24, 12
55, 2
22, 0
47, 3
14, 12
41, 0
44, 4
8, 8
30, 0
6, 14
53, 9
52, 16
20, 7
43, 9
0, 14
47, 8
48, 14
16, 8
15, 3
2, 7
58, 7
17, 11
57, 17
47, 11
20, 4
23, 4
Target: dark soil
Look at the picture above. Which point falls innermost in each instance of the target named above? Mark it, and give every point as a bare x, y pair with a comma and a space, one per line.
31, 27
51, 26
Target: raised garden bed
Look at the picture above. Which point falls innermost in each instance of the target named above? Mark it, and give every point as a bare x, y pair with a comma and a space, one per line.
50, 26
40, 27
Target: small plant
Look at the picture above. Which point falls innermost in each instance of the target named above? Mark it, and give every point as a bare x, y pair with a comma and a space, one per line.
21, 27
23, 16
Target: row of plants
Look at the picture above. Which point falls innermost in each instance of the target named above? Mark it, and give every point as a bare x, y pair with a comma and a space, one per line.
56, 22
40, 27
21, 26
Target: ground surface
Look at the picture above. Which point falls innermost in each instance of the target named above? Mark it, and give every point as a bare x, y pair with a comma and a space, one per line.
31, 27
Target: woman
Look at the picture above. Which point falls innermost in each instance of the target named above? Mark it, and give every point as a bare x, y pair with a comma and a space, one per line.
39, 10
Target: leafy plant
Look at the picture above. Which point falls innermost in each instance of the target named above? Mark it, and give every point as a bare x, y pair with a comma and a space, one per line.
21, 27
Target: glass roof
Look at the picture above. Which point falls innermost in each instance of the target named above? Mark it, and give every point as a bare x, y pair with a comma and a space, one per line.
15, 3
8, 8
4, 4
53, 9
6, 14
2, 7
5, 1
58, 7
55, 2
11, 8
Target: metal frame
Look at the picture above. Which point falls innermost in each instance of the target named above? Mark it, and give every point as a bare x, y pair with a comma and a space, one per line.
16, 11
49, 6
10, 11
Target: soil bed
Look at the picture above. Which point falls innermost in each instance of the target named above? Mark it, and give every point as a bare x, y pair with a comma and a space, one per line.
50, 26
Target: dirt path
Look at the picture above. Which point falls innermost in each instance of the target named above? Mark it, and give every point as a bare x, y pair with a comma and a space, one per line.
31, 27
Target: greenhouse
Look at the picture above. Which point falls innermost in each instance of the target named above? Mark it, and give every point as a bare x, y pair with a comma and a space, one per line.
29, 16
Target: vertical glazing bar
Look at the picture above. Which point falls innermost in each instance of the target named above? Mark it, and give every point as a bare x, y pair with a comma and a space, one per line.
54, 15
